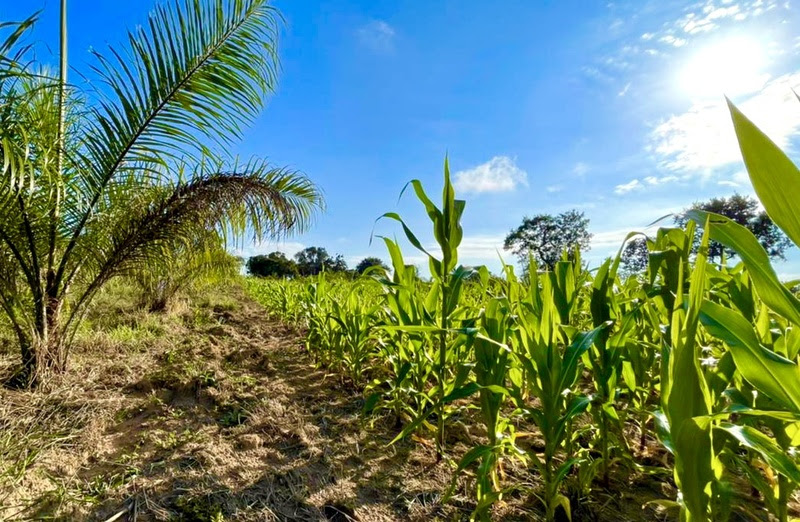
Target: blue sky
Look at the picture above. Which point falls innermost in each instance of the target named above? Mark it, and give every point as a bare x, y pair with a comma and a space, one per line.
613, 108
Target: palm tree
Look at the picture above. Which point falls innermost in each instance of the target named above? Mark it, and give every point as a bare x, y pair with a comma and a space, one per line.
194, 265
96, 183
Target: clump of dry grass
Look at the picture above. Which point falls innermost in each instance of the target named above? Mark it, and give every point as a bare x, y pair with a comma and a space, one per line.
38, 431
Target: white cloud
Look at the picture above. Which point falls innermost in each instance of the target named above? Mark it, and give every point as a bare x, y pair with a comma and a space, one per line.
660, 180
377, 35
289, 248
499, 174
624, 90
609, 239
481, 248
580, 169
637, 185
673, 41
705, 17
628, 187
554, 188
740, 180
708, 17
703, 139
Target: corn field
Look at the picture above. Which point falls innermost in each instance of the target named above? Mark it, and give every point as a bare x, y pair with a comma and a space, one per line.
700, 357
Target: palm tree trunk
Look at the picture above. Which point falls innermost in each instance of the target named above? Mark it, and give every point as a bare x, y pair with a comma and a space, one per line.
44, 356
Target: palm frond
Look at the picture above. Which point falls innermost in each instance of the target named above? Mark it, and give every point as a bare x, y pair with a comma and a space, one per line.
269, 202
198, 69
10, 52
203, 261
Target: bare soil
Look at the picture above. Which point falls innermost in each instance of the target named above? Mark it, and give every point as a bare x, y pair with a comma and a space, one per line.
215, 412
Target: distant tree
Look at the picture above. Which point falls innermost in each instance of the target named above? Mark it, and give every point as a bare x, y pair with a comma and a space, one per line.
369, 262
275, 264
546, 237
313, 260
337, 264
635, 256
745, 211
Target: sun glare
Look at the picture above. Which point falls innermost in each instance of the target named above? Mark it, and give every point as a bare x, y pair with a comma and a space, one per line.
731, 67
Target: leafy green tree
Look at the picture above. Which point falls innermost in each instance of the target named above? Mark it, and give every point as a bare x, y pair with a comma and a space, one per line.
275, 264
546, 237
369, 262
313, 260
337, 264
745, 211
96, 184
635, 256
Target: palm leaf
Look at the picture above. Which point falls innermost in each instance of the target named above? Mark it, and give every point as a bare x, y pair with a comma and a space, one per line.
268, 201
196, 70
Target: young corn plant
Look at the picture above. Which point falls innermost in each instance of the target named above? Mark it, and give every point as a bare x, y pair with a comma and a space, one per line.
688, 403
316, 313
639, 340
492, 362
408, 351
567, 278
640, 370
551, 381
605, 359
354, 344
447, 281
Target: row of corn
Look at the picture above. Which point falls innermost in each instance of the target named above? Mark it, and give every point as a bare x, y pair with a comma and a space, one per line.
701, 358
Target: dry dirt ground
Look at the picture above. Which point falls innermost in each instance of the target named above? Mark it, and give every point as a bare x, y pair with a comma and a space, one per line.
214, 412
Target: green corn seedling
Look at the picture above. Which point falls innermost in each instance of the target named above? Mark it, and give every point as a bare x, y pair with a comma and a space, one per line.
552, 377
446, 287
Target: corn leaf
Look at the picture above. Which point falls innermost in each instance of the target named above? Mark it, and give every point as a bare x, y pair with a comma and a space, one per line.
771, 374
775, 178
772, 453
755, 258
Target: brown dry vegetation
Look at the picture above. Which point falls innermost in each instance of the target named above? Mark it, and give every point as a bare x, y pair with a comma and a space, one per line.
214, 412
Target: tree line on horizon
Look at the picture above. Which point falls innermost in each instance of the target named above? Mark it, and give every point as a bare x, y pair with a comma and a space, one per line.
546, 238
308, 262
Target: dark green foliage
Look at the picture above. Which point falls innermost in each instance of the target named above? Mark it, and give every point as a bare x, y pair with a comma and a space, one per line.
546, 237
313, 260
369, 262
635, 255
274, 264
744, 211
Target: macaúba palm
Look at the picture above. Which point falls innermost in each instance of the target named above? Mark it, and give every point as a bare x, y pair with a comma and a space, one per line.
191, 266
97, 183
